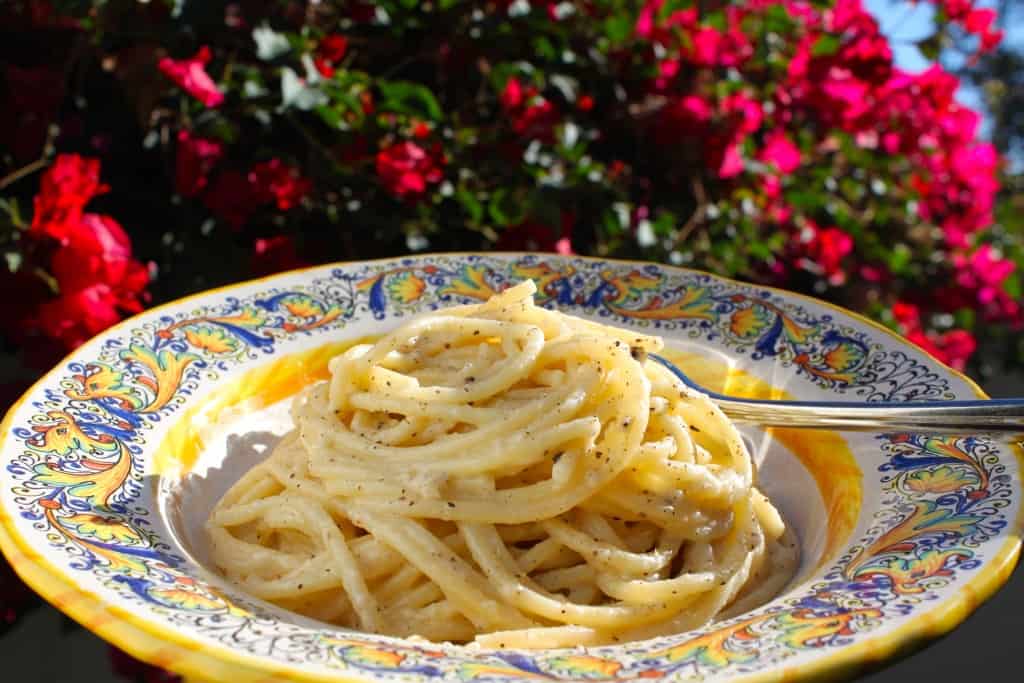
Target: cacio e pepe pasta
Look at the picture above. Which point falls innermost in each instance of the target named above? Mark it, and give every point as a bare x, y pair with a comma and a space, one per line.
510, 476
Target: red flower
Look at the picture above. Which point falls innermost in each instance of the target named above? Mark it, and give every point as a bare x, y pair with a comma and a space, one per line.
196, 157
980, 23
276, 181
94, 268
406, 169
532, 116
234, 197
906, 314
536, 121
66, 187
329, 52
231, 198
512, 95
190, 74
274, 255
99, 280
75, 317
420, 130
954, 348
99, 252
822, 252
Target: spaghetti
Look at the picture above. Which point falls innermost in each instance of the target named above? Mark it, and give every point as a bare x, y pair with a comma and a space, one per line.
507, 475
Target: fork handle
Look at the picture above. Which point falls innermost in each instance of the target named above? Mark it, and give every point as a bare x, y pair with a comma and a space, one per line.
995, 415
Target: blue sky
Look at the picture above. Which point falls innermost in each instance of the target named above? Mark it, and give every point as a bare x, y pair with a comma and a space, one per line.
906, 23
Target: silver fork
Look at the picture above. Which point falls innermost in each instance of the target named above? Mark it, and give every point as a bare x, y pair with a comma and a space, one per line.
990, 415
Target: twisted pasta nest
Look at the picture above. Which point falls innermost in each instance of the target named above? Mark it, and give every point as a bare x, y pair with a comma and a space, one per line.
508, 475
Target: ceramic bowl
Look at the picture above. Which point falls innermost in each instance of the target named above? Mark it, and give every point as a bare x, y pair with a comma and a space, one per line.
113, 460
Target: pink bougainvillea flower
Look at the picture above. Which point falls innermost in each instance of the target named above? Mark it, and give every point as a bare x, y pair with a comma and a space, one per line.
979, 284
780, 151
190, 75
746, 112
646, 21
732, 162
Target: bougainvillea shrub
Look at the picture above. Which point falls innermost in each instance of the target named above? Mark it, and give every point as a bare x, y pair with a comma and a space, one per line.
769, 140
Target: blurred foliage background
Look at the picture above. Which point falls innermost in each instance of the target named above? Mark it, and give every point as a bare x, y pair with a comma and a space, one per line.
153, 149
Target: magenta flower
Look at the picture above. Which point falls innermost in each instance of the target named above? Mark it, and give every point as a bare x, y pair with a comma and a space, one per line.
190, 75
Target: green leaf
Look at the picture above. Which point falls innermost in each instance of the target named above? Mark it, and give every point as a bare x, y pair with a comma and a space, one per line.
331, 117
826, 45
665, 224
965, 318
759, 250
10, 208
470, 204
807, 201
777, 20
544, 48
931, 46
715, 20
618, 28
505, 208
899, 258
409, 98
1012, 286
